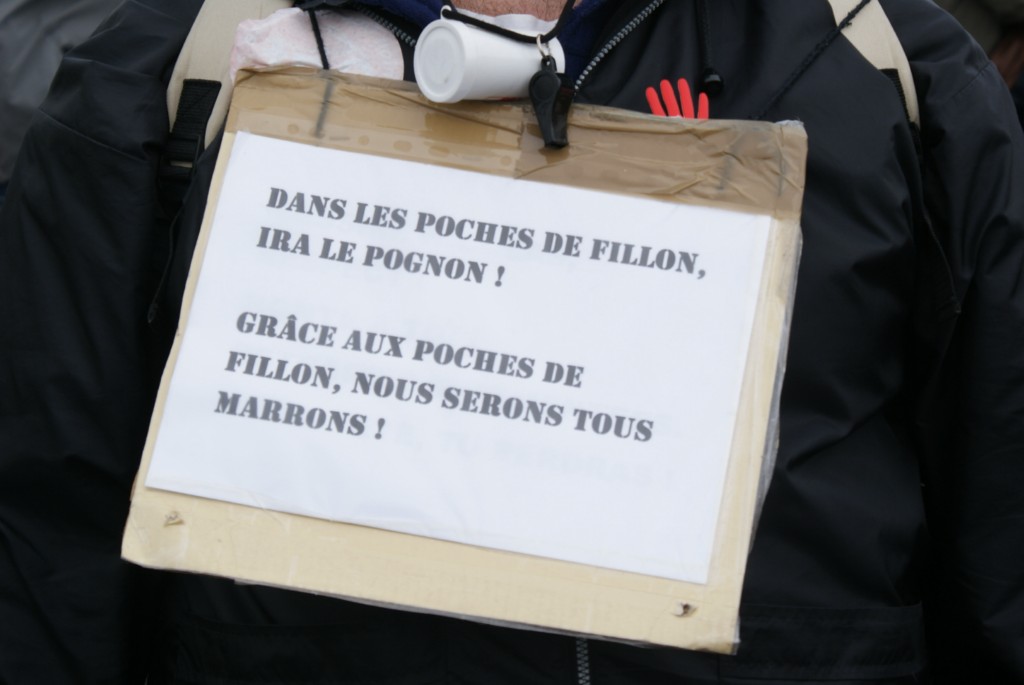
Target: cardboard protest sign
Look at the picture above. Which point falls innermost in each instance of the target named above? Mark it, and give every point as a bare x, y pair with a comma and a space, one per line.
425, 362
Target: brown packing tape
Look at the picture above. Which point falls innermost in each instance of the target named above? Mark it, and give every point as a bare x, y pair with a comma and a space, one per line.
346, 114
738, 165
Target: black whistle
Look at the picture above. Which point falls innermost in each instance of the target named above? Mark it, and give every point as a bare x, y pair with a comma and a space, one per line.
552, 94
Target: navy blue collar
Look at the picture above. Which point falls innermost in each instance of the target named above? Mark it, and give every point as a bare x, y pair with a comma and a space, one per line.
577, 36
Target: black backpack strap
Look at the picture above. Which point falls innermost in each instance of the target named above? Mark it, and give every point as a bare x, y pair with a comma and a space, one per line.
187, 138
200, 88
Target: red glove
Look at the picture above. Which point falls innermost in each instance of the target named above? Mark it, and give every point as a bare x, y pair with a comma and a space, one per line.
673, 108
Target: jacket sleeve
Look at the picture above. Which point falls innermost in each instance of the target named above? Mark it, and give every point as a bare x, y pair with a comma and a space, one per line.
34, 36
80, 243
973, 151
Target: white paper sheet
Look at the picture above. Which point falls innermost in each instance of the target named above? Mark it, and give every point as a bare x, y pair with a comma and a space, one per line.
401, 279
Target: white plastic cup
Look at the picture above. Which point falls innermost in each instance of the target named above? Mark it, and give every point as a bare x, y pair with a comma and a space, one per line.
454, 61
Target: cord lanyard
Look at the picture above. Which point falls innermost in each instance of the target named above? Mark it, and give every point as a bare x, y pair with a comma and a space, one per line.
551, 92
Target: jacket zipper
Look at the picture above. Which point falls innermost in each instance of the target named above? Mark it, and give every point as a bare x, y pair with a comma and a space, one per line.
386, 23
616, 39
582, 661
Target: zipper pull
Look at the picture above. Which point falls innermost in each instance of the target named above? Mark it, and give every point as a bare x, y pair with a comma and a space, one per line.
551, 94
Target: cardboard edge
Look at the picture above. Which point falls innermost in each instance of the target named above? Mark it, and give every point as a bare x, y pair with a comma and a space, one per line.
177, 532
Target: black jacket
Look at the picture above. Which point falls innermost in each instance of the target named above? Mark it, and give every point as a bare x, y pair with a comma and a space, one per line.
905, 365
